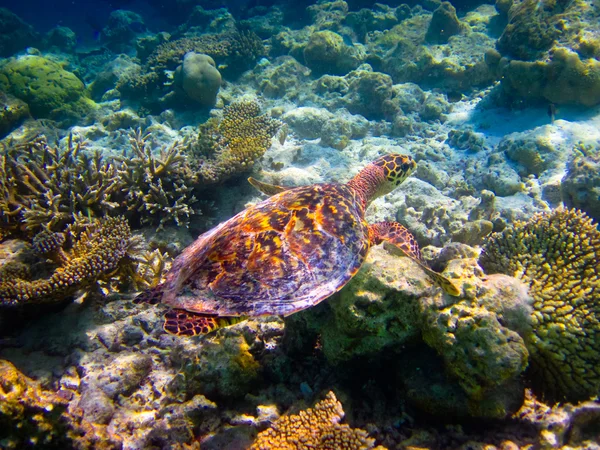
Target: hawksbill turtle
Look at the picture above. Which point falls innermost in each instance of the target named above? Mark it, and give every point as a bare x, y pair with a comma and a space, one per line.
284, 254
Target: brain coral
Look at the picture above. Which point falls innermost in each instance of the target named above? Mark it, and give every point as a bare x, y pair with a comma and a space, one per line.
49, 90
557, 255
318, 427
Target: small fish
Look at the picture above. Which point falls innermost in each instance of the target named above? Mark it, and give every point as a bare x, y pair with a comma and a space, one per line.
552, 111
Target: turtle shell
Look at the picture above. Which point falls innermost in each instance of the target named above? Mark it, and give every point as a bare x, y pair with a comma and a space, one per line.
277, 257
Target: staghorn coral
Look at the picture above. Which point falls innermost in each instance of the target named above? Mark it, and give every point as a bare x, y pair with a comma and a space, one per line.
318, 427
98, 250
45, 186
159, 187
235, 144
556, 254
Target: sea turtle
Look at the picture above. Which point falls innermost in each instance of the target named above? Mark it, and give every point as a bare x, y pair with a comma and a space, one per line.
284, 254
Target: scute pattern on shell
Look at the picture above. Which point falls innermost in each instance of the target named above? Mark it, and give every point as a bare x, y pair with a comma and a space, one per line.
277, 257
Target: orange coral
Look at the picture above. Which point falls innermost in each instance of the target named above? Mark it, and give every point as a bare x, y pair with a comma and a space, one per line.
315, 428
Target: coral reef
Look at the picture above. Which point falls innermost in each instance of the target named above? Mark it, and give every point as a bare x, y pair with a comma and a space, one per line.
96, 252
444, 24
316, 427
15, 35
43, 186
235, 51
158, 187
233, 145
556, 255
12, 113
198, 77
29, 415
580, 187
49, 90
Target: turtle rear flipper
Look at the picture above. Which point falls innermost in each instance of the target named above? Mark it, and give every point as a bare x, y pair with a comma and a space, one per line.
150, 296
401, 238
186, 323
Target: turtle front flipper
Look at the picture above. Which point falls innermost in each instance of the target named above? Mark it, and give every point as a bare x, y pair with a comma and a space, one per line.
186, 323
396, 234
266, 188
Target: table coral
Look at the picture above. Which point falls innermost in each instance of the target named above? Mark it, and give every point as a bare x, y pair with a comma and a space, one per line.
236, 143
556, 254
318, 427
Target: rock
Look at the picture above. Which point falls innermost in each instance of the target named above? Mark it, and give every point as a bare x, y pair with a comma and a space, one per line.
199, 78
580, 186
15, 34
376, 310
326, 52
443, 25
121, 28
13, 112
97, 406
307, 122
61, 38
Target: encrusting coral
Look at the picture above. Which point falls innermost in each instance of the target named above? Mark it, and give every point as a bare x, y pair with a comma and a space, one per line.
29, 416
556, 254
236, 143
318, 427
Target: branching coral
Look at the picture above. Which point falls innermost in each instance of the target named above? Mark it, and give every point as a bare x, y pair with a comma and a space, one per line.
41, 185
318, 427
97, 252
46, 187
557, 255
159, 187
236, 143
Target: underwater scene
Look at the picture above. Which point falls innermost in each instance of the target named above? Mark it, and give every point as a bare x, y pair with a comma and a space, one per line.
300, 225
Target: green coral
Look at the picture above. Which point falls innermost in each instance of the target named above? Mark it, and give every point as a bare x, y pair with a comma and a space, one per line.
49, 90
232, 146
318, 427
556, 254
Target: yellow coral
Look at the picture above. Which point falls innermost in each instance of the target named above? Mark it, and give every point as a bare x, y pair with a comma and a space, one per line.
314, 428
29, 416
557, 255
242, 137
98, 251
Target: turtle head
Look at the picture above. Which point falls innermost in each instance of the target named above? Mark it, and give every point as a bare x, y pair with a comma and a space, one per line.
382, 176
